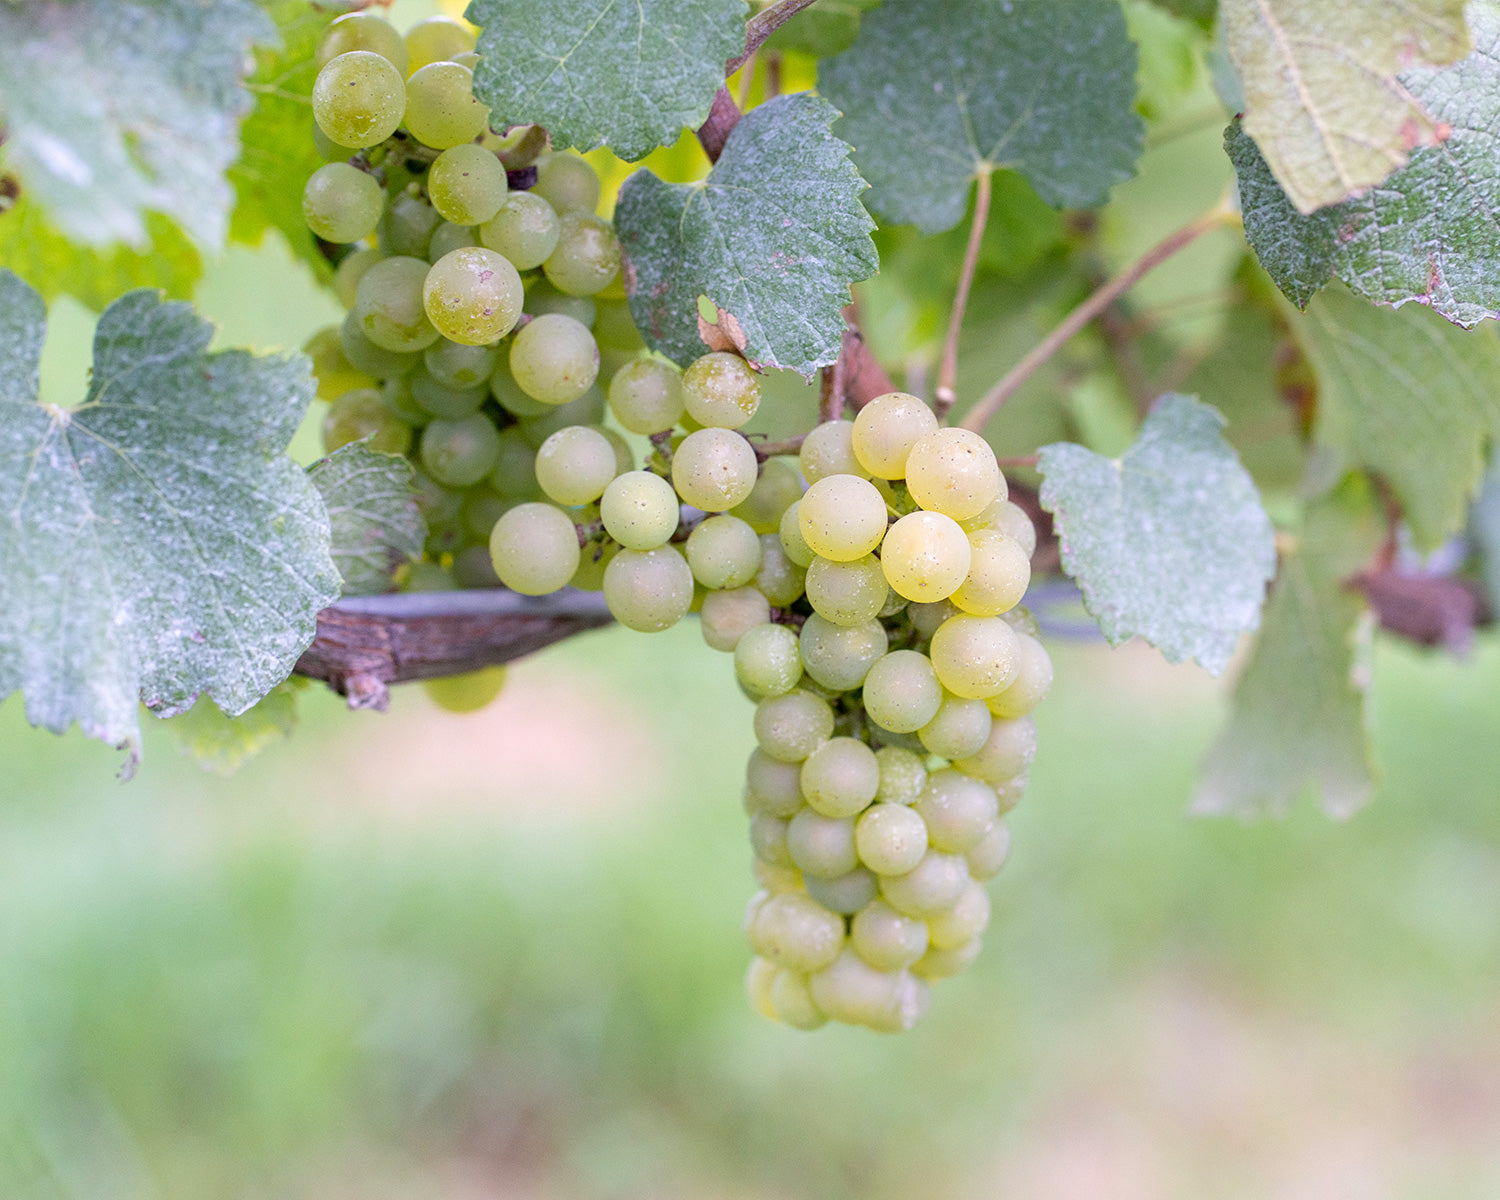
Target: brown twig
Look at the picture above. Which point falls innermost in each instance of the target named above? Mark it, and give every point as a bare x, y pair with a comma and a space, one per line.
989, 404
944, 395
765, 450
761, 26
1019, 460
722, 118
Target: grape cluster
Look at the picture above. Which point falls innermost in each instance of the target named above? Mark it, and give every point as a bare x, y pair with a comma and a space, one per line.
869, 598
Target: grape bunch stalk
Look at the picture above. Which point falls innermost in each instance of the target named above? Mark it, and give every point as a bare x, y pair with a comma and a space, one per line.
869, 595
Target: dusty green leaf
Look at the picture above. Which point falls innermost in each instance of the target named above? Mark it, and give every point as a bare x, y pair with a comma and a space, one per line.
223, 743
1408, 396
372, 512
1429, 233
605, 72
775, 237
157, 541
117, 108
1169, 542
1326, 97
1298, 716
934, 94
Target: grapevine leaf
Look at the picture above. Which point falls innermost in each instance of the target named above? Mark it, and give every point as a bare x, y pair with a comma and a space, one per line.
222, 743
373, 515
1169, 542
95, 275
935, 94
1409, 396
154, 128
1325, 86
774, 237
1297, 719
1429, 232
604, 72
157, 541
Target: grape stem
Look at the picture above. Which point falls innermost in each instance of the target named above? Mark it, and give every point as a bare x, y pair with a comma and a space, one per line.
990, 403
761, 26
944, 395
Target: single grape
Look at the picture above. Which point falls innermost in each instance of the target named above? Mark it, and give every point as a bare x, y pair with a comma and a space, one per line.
842, 517
554, 358
1033, 680
795, 546
780, 579
358, 99
586, 257
441, 109
437, 39
792, 1002
467, 184
766, 661
925, 556
465, 693
768, 840
902, 775
1006, 753
958, 810
388, 306
648, 590
791, 727
455, 365
885, 431
840, 777
845, 894
776, 489
720, 390
351, 270
342, 203
728, 615
771, 786
535, 549
447, 238
408, 225
885, 939
821, 846
724, 552
840, 656
964, 922
646, 395
713, 469
986, 859
524, 230
795, 931
959, 727
361, 414
473, 296
362, 31
954, 472
639, 510
852, 991
828, 449
514, 472
846, 593
575, 465
999, 573
901, 691
567, 183
890, 838
935, 883
460, 453
975, 656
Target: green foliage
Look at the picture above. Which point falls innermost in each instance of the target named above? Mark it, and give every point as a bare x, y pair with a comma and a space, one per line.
1169, 542
372, 513
935, 94
158, 543
116, 108
598, 73
773, 237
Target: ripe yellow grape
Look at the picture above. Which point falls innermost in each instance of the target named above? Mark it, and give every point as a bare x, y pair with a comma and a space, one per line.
925, 556
999, 573
842, 517
954, 472
885, 431
975, 657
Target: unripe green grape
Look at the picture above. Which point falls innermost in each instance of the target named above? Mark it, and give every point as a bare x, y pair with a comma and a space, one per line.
964, 922
780, 579
795, 931
958, 809
852, 991
828, 449
437, 39
999, 573
792, 1002
903, 775
509, 396
351, 270
723, 552
646, 395
766, 661
639, 510
462, 452
443, 401
768, 840
388, 306
720, 390
771, 786
358, 99
932, 885
588, 409
1006, 753
975, 656
846, 593
953, 471
542, 297
777, 487
842, 517
362, 415
927, 619
845, 894
820, 846
1015, 522
473, 568
473, 296
901, 691
925, 556
514, 472
791, 727
575, 465
1032, 683
586, 257
885, 939
886, 429
567, 182
331, 368
535, 549
362, 31
890, 839
958, 729
465, 693
441, 109
1010, 791
728, 615
840, 656
986, 858
467, 184
939, 963
793, 543
840, 777
713, 469
482, 507
554, 358
759, 977
456, 365
648, 590
342, 203
524, 230
447, 238
408, 225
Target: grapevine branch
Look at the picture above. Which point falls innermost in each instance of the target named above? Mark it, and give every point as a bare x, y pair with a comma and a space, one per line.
763, 25
989, 404
944, 395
